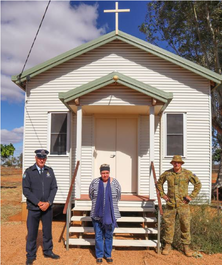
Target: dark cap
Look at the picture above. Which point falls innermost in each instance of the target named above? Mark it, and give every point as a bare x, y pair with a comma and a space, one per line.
104, 167
41, 153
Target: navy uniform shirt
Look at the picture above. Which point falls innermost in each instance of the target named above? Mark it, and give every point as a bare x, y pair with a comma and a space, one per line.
39, 187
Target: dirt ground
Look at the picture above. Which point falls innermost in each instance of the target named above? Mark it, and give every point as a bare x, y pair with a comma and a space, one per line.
13, 238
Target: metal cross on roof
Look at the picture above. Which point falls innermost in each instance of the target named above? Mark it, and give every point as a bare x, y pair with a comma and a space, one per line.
116, 11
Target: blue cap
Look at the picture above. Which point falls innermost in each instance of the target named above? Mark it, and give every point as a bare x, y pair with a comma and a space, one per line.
41, 153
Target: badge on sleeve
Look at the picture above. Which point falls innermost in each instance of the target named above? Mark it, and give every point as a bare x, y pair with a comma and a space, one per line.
24, 176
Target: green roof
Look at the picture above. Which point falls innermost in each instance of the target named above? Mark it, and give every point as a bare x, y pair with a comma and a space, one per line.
143, 45
121, 79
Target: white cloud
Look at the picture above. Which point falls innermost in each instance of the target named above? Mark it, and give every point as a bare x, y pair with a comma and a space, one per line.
14, 136
63, 28
9, 91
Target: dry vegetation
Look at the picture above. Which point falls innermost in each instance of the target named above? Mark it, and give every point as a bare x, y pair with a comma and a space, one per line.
13, 240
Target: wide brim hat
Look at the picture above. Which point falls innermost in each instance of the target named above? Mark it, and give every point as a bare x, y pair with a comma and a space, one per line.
177, 158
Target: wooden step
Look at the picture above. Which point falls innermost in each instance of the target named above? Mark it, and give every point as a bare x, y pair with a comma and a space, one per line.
136, 219
121, 203
116, 242
118, 230
121, 209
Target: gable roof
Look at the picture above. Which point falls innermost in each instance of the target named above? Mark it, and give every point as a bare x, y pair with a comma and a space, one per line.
116, 77
143, 45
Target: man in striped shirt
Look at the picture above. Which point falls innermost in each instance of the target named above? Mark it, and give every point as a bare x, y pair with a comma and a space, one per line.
105, 192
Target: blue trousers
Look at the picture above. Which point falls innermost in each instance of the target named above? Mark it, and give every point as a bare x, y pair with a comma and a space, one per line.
103, 240
33, 225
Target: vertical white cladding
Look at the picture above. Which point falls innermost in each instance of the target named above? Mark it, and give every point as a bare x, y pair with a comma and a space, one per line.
73, 152
144, 156
191, 95
87, 154
157, 146
152, 135
78, 150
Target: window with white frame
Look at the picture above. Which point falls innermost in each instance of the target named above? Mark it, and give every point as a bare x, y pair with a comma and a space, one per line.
175, 134
58, 136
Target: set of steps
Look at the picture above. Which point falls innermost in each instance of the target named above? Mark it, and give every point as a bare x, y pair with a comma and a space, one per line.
136, 228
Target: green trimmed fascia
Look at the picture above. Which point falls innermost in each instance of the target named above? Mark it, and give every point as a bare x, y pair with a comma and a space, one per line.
67, 105
150, 91
143, 45
171, 57
40, 68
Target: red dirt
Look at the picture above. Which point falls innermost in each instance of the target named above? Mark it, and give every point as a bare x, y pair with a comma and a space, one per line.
13, 251
13, 240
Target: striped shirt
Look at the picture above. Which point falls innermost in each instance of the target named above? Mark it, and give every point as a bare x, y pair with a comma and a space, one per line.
116, 195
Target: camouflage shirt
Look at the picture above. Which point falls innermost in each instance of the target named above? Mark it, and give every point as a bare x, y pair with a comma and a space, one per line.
178, 186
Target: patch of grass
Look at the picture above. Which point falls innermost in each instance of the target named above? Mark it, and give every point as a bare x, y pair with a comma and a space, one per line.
10, 199
206, 230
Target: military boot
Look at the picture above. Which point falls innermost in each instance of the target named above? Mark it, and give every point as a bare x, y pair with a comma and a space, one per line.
167, 249
188, 252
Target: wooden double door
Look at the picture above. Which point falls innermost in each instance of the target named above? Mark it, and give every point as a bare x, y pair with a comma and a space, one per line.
116, 145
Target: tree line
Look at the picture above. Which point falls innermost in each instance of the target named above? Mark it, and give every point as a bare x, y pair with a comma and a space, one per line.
7, 156
193, 30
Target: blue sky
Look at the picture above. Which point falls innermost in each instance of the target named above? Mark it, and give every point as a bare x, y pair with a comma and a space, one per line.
64, 28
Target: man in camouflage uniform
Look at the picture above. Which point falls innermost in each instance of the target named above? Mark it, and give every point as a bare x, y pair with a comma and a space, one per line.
177, 202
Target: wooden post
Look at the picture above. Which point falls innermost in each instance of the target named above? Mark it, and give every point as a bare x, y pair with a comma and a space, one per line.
78, 149
152, 129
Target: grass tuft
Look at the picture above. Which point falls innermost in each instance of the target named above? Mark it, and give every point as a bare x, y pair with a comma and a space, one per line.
206, 230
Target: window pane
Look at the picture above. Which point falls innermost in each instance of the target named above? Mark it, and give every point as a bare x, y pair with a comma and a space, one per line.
59, 123
174, 124
58, 133
58, 144
175, 145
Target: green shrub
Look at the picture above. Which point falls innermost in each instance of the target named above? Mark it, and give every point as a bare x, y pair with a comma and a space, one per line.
206, 230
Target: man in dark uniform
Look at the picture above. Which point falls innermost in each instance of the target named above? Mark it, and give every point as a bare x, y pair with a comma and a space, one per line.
39, 187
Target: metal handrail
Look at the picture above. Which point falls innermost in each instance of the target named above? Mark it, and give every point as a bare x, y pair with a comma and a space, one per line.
71, 187
157, 191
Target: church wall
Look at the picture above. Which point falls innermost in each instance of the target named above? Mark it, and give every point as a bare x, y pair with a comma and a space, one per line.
191, 95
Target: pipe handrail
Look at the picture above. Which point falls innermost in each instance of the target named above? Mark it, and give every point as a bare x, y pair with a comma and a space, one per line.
70, 188
157, 191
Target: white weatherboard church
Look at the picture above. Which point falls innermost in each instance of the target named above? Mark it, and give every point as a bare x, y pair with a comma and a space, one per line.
122, 101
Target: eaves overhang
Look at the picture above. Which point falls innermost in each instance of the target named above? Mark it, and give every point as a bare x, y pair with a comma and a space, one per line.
143, 45
115, 77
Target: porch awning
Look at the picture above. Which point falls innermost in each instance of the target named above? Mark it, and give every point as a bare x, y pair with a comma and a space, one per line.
115, 77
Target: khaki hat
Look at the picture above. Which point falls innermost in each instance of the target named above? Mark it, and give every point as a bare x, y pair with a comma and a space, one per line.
177, 158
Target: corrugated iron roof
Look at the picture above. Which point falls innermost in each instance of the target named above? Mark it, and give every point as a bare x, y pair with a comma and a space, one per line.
143, 45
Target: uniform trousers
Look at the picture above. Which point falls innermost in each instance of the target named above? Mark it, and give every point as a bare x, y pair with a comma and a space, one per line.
33, 225
169, 217
103, 240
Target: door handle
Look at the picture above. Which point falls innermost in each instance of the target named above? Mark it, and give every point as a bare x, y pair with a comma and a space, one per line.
112, 156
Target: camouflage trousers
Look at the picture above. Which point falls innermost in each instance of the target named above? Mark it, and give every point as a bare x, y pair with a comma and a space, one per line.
169, 217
